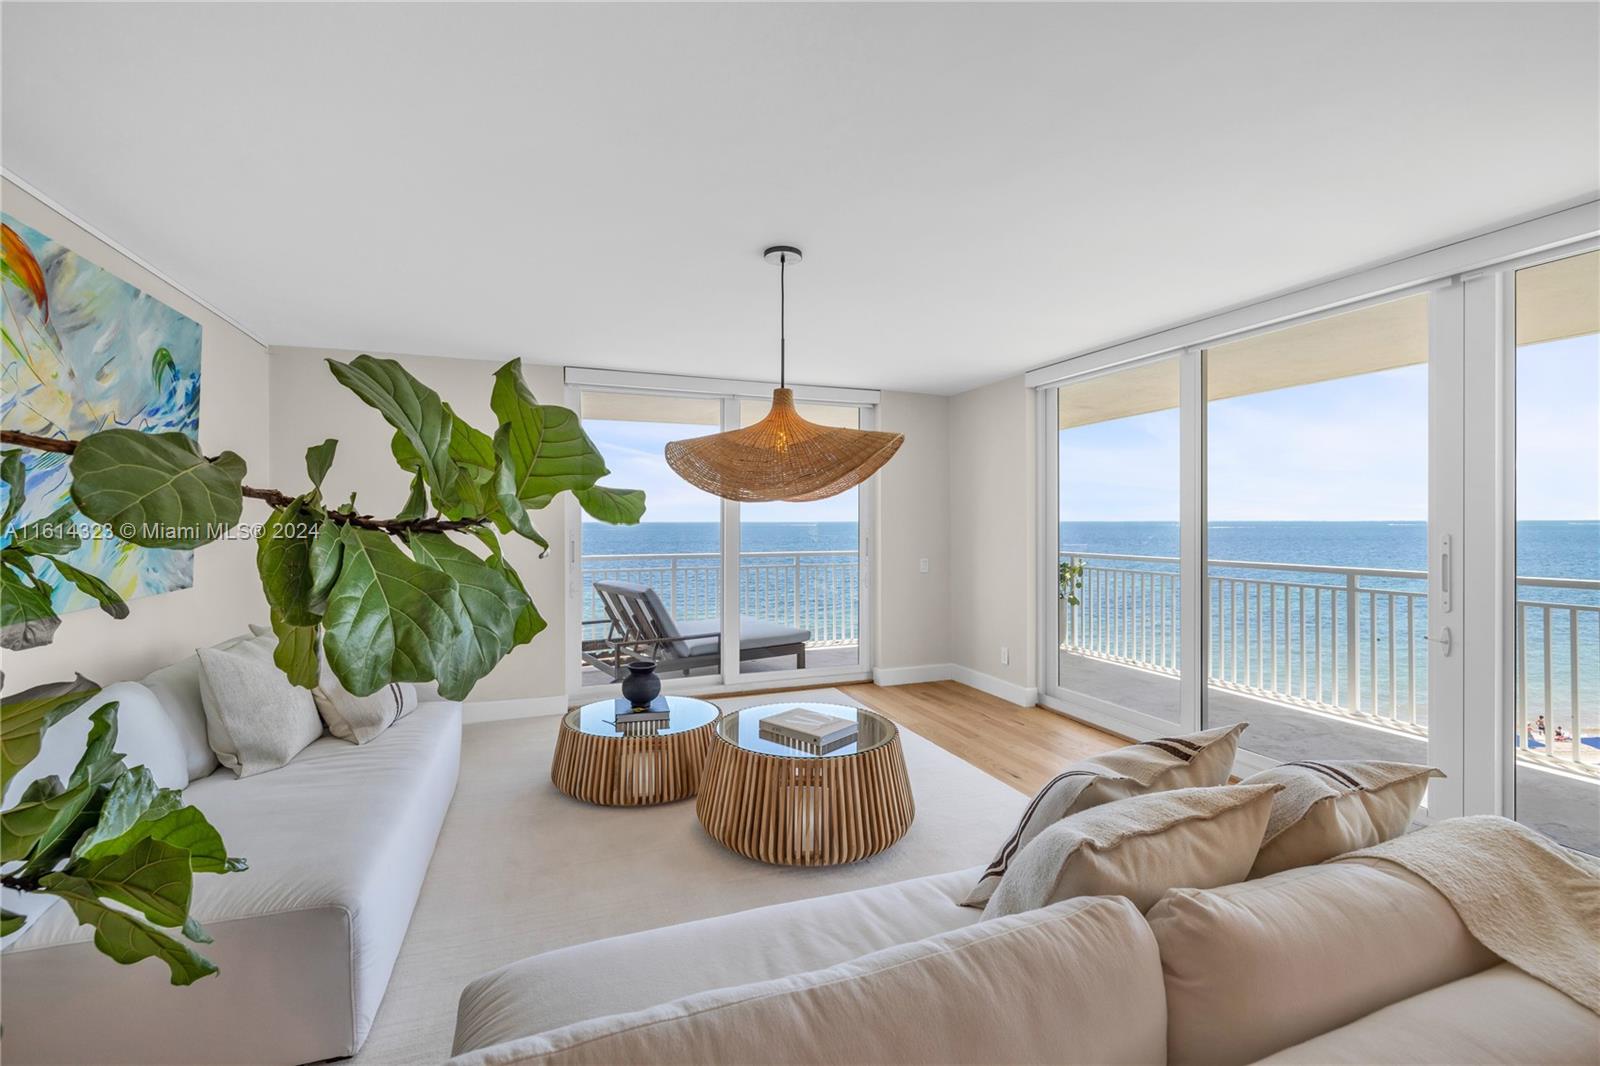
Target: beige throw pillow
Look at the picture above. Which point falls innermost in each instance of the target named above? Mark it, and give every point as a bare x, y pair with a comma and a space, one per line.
360, 718
1139, 848
356, 718
255, 719
1197, 760
1328, 808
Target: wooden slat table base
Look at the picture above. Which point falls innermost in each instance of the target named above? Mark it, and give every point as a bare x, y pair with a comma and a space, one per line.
629, 771
805, 812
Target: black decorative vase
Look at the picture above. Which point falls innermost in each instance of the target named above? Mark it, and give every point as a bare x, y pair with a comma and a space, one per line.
641, 686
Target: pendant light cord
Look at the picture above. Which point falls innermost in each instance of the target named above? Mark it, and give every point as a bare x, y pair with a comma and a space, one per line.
783, 267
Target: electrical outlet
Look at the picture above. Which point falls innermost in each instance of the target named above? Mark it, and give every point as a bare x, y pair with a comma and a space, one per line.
1005, 655
922, 566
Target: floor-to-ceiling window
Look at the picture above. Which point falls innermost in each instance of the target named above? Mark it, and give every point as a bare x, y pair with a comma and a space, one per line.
1116, 573
1317, 528
788, 577
1387, 533
1556, 609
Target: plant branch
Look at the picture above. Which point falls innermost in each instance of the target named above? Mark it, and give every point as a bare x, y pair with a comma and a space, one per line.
274, 497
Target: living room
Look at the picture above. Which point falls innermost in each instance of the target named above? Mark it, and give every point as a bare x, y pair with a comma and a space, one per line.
800, 532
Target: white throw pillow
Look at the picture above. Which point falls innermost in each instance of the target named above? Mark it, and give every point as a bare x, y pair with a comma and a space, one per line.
255, 719
1193, 761
1328, 808
1140, 848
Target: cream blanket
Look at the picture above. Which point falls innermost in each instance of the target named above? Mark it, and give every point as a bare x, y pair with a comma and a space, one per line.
1528, 900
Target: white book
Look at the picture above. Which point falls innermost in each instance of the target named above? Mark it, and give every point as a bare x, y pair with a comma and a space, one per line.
802, 723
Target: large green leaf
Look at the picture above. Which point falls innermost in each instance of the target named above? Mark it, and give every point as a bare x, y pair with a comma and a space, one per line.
618, 507
511, 512
529, 622
25, 716
469, 446
110, 602
156, 489
168, 821
55, 534
283, 559
410, 407
416, 505
125, 938
152, 876
26, 618
486, 598
10, 922
549, 450
327, 552
389, 618
163, 803
79, 805
127, 802
15, 479
41, 804
319, 460
296, 653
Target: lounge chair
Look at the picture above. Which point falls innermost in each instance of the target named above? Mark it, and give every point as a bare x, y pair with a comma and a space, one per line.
641, 627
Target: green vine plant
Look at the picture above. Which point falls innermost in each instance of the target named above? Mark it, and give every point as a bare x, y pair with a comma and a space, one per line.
1069, 580
424, 596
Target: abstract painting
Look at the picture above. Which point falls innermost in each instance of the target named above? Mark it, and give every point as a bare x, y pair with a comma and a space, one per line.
86, 351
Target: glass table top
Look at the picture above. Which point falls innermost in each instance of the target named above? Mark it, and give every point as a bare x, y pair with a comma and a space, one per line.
743, 728
599, 719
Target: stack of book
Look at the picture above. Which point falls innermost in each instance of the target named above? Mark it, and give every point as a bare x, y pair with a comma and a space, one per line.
640, 721
806, 730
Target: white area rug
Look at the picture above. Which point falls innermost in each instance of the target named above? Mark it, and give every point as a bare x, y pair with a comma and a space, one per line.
521, 868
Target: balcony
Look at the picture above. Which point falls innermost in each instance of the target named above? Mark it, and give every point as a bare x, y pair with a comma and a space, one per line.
1331, 661
815, 590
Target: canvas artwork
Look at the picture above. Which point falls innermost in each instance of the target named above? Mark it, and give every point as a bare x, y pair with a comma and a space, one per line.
86, 351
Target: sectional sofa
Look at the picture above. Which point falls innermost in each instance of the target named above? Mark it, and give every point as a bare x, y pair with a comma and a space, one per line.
338, 842
1353, 961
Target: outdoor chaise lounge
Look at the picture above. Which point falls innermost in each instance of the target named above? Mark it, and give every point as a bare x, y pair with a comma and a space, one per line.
643, 628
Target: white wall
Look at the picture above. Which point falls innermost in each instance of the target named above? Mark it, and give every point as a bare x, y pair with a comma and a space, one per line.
912, 623
992, 539
233, 415
308, 406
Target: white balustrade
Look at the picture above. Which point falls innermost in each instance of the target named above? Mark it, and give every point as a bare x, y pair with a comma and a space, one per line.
815, 590
1350, 639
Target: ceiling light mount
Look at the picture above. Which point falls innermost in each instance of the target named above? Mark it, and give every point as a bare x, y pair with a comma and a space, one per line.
784, 456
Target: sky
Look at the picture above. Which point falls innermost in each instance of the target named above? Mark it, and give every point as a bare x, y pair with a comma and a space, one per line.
1353, 449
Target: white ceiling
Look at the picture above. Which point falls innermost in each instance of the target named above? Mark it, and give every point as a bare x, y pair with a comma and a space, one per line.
978, 188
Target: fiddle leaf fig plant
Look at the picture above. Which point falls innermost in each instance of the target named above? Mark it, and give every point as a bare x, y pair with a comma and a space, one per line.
427, 594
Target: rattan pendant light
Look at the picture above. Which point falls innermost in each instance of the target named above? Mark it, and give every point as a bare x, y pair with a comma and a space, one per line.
783, 456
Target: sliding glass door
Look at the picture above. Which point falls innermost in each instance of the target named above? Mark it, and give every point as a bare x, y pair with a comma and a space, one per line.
716, 592
1317, 441
1117, 588
1555, 619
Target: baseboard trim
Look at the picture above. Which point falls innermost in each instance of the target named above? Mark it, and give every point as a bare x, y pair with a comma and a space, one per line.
502, 710
888, 676
1021, 695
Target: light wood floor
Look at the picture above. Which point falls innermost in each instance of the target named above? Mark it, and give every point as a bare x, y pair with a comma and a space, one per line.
1022, 746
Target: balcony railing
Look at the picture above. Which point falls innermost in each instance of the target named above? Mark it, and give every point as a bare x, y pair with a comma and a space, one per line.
815, 590
1339, 638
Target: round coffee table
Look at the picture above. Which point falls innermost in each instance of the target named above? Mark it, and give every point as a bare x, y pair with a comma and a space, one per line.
778, 804
636, 763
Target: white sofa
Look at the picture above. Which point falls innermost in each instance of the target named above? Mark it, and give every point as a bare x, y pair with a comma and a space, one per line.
338, 842
1349, 962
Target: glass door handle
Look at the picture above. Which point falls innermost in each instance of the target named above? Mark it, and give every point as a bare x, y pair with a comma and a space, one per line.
1446, 638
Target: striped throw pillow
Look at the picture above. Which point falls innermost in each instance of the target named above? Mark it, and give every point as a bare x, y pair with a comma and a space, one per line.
1332, 806
1193, 761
